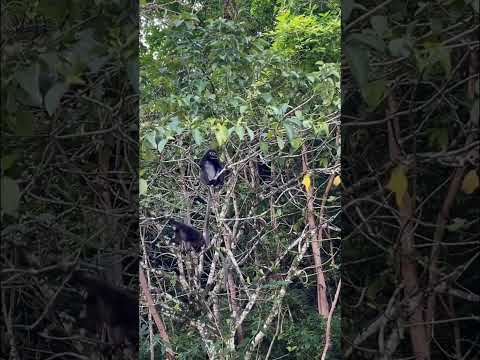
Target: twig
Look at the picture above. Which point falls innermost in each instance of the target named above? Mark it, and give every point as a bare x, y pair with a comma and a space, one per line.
329, 322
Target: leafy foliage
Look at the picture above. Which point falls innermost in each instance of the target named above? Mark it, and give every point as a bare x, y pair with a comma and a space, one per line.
307, 39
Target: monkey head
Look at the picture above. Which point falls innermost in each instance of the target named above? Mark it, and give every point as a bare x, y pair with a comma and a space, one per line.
212, 154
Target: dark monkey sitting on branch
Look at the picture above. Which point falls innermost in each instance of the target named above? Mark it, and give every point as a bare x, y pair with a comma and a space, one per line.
115, 307
212, 174
212, 171
191, 237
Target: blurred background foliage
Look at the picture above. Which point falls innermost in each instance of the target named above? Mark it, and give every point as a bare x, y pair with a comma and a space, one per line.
69, 166
410, 109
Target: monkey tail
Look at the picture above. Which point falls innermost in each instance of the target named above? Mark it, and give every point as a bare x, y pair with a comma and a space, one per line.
206, 235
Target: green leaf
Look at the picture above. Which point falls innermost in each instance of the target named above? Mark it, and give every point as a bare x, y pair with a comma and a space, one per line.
264, 147
399, 47
280, 142
307, 124
150, 138
289, 129
28, 79
251, 134
53, 97
457, 224
10, 196
440, 53
161, 145
295, 120
311, 78
243, 109
321, 129
470, 182
283, 108
221, 134
176, 125
197, 136
398, 183
411, 27
8, 161
357, 57
24, 124
74, 80
371, 40
324, 162
438, 138
201, 85
267, 98
51, 60
379, 24
178, 23
296, 143
143, 186
374, 92
240, 132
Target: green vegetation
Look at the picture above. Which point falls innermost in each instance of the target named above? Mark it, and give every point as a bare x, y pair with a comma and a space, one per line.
260, 82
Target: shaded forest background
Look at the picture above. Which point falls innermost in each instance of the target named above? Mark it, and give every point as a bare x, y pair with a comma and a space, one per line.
410, 160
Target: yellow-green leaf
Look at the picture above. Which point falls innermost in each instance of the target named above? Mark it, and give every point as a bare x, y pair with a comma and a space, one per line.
221, 134
337, 180
8, 161
470, 182
307, 182
438, 138
398, 183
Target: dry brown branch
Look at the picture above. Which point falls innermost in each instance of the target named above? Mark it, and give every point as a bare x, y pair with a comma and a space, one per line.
170, 355
329, 322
